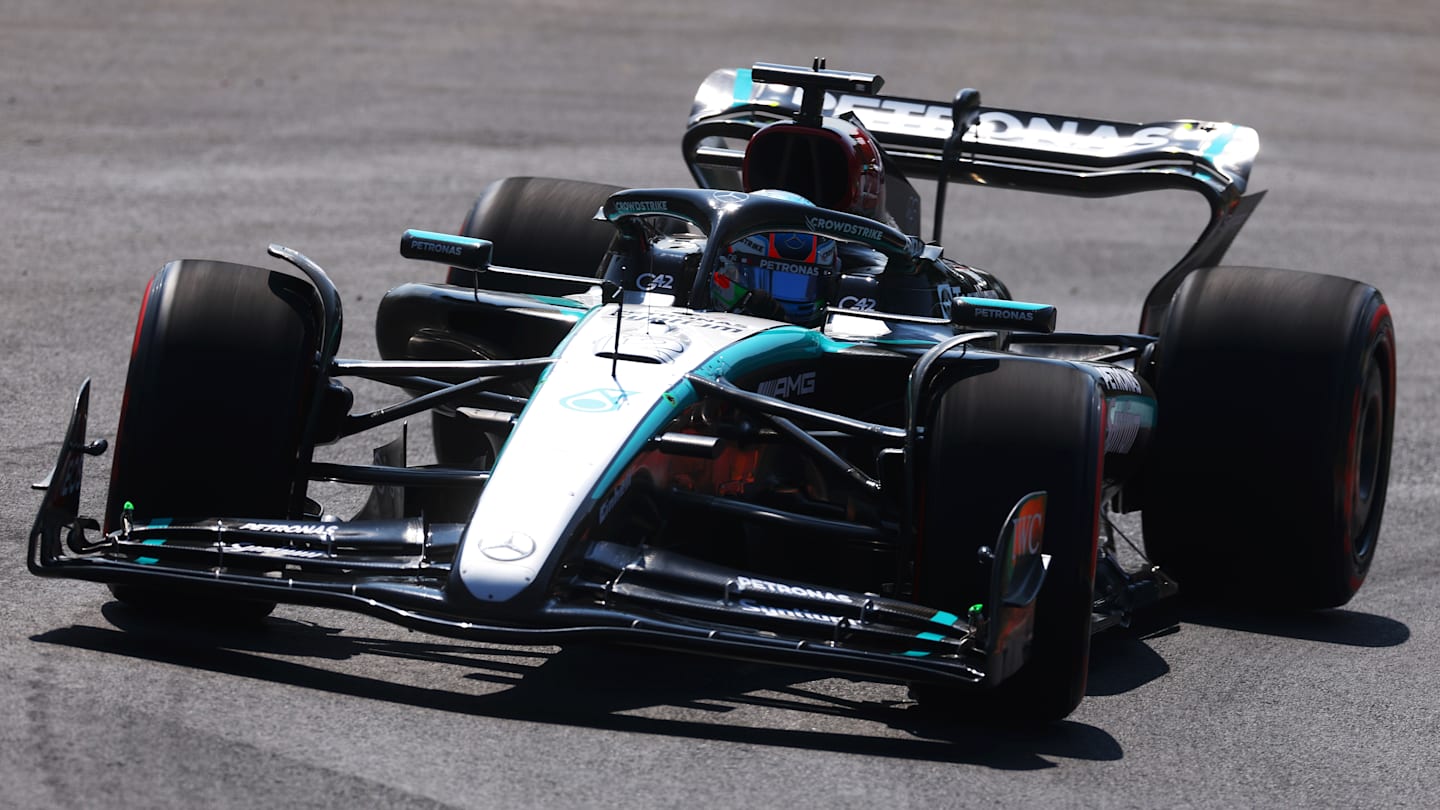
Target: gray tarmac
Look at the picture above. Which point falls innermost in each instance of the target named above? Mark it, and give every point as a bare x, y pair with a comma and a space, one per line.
132, 133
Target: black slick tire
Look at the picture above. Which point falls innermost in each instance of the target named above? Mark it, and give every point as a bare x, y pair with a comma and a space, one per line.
1271, 456
221, 370
1004, 430
539, 223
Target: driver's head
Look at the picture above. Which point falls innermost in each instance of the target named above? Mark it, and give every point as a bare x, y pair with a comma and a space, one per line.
836, 165
784, 276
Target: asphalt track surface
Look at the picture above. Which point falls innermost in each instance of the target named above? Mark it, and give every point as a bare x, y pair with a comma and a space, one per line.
137, 132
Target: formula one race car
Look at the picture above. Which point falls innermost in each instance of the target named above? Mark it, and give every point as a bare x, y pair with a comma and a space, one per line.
761, 418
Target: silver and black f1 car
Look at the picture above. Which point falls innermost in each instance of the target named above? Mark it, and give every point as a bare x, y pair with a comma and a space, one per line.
657, 423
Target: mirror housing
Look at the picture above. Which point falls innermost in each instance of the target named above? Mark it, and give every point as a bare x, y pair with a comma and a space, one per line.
444, 248
999, 313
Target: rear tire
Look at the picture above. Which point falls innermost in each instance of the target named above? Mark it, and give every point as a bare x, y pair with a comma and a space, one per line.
1271, 453
1013, 428
219, 383
539, 223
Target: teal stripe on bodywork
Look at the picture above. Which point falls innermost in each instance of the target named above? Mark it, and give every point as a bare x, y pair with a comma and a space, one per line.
671, 403
567, 303
929, 636
162, 523
1004, 303
445, 238
947, 619
1218, 144
744, 86
782, 344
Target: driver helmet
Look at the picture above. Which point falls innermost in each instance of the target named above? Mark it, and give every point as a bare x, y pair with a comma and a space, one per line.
780, 275
835, 165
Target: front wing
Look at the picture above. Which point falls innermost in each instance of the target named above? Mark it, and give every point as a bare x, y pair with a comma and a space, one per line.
399, 571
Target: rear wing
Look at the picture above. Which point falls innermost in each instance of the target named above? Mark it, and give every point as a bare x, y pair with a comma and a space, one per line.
1004, 147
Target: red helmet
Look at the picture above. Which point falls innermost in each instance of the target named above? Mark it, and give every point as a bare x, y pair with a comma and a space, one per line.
835, 165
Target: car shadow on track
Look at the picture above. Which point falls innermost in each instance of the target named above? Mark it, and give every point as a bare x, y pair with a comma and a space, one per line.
1335, 626
1121, 661
614, 688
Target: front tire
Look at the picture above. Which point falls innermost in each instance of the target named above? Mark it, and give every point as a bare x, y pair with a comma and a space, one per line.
1004, 430
220, 376
1271, 457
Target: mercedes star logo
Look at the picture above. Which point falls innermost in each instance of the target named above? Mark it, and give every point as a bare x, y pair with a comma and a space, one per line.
729, 197
508, 549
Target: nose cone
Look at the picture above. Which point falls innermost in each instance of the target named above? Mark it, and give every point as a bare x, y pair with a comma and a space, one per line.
510, 565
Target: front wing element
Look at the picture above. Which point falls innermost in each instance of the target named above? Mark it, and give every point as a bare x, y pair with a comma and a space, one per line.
398, 570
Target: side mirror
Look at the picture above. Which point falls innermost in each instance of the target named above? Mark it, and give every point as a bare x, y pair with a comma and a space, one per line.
444, 248
999, 313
